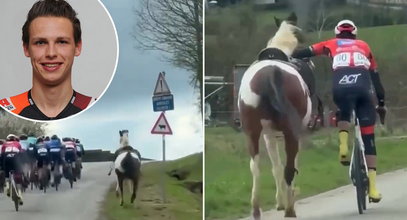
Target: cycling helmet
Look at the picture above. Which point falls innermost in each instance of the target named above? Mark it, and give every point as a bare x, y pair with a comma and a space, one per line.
23, 137
346, 25
40, 140
77, 141
66, 139
11, 137
53, 137
46, 138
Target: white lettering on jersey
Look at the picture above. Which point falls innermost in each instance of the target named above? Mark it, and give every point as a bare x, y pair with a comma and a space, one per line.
349, 79
42, 150
70, 146
55, 150
11, 149
341, 60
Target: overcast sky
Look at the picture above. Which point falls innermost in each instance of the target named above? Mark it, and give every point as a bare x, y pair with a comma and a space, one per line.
127, 104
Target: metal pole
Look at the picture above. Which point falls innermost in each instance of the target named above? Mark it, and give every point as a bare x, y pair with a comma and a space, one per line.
163, 172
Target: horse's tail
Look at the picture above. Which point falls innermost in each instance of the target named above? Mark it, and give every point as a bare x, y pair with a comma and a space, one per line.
273, 90
279, 102
131, 165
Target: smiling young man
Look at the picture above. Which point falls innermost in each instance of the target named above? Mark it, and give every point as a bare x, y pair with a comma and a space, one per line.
51, 39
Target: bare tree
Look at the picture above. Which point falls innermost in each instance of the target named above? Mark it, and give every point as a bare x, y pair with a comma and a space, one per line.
11, 124
174, 27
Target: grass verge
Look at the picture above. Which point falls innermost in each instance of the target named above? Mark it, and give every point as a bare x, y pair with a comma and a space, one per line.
181, 203
228, 179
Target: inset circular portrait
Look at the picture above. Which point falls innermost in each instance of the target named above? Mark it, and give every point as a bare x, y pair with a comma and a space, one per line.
58, 56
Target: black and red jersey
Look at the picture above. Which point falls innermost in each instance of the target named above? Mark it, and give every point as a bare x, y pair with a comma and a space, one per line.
346, 53
24, 105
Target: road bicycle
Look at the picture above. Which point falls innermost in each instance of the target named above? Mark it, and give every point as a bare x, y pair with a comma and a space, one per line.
358, 170
15, 197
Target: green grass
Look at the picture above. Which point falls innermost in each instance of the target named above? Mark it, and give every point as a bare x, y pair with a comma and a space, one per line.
228, 179
181, 203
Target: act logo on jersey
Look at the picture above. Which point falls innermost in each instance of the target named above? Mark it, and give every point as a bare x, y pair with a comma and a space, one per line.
349, 79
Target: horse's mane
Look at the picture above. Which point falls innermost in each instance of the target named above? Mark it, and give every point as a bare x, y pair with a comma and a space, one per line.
285, 38
124, 141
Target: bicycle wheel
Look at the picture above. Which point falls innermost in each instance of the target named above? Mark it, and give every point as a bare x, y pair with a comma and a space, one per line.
358, 179
14, 195
70, 175
56, 179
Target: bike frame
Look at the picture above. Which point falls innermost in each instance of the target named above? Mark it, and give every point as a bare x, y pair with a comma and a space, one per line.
358, 136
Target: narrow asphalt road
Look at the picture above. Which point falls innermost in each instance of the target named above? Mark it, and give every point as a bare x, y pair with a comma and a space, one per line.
341, 203
82, 202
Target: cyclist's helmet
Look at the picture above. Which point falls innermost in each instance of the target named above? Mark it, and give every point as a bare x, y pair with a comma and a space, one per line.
23, 137
77, 141
54, 137
66, 139
40, 140
346, 25
11, 137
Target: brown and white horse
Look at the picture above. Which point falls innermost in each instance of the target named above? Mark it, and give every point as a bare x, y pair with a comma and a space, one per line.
275, 100
127, 166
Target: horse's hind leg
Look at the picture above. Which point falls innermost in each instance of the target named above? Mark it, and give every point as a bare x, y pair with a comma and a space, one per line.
117, 187
255, 170
133, 196
291, 148
277, 169
120, 182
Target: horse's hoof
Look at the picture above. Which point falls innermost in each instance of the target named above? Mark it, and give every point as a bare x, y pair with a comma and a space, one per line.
290, 213
256, 214
121, 204
280, 207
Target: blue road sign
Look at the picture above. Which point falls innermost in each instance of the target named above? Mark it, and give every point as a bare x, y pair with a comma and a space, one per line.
163, 103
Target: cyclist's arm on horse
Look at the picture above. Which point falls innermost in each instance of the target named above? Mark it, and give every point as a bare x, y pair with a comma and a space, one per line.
303, 53
313, 50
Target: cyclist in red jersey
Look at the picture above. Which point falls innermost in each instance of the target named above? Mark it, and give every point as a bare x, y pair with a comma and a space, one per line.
355, 70
10, 152
70, 151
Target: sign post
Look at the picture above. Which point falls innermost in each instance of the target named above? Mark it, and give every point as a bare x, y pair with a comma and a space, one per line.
163, 101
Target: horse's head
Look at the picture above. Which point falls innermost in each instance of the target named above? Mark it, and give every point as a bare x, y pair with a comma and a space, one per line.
288, 35
123, 132
124, 137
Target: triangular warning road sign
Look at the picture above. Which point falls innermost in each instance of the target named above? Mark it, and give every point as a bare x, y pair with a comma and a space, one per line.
161, 86
161, 126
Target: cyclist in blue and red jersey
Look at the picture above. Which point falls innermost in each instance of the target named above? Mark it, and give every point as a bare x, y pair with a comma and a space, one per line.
56, 154
355, 70
80, 151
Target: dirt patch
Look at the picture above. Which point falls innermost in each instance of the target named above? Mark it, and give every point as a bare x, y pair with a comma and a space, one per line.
194, 186
179, 174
